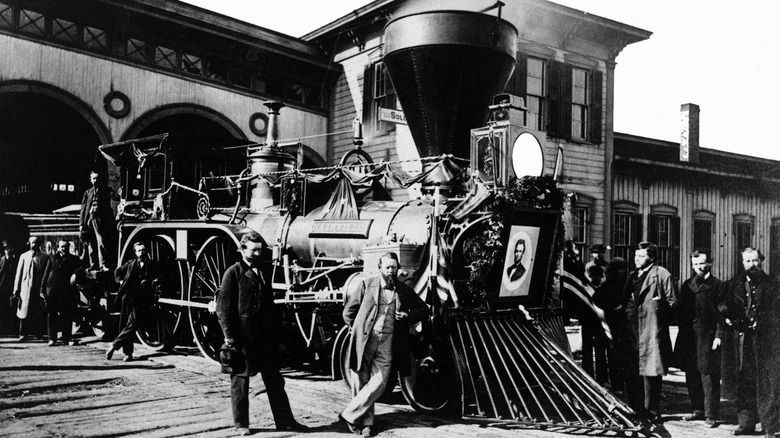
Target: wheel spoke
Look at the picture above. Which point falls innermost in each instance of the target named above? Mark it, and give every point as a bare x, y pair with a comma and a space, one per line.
210, 264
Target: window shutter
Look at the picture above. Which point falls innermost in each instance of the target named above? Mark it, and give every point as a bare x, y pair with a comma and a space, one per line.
554, 99
368, 99
596, 106
675, 262
566, 84
652, 228
637, 218
560, 100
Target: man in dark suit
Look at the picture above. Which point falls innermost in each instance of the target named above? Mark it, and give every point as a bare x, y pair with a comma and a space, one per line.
379, 312
96, 221
652, 295
137, 279
61, 296
750, 302
251, 324
517, 270
697, 348
8, 262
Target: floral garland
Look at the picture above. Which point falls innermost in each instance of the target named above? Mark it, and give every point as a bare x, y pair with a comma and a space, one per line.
530, 192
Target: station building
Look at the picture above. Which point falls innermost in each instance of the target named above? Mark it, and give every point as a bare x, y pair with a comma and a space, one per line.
91, 72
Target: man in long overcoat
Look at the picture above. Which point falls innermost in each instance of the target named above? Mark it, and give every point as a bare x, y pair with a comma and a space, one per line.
62, 296
379, 312
251, 324
651, 297
28, 287
750, 302
137, 280
697, 349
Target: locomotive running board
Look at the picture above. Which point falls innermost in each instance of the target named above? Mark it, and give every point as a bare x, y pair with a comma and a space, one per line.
514, 374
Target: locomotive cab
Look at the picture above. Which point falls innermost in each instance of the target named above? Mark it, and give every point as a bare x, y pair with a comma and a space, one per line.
159, 173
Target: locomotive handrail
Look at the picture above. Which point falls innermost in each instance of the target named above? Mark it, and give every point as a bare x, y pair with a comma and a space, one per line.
327, 271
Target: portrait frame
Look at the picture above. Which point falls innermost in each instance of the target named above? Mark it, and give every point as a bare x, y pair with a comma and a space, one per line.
539, 229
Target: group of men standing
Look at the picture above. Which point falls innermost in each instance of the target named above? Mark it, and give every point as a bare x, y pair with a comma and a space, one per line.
723, 326
40, 288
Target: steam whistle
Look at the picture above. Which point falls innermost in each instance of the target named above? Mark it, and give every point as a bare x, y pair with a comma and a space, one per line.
357, 133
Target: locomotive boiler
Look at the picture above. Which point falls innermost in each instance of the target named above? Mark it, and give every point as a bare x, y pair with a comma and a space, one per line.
499, 357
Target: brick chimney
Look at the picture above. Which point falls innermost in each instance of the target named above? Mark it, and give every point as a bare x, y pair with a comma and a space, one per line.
689, 133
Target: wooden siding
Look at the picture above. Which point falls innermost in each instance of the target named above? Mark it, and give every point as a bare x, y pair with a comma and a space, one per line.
687, 200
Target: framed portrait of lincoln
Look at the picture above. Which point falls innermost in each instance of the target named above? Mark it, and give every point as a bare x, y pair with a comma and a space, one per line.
528, 238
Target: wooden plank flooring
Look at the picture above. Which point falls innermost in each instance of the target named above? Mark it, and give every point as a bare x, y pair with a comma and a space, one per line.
74, 392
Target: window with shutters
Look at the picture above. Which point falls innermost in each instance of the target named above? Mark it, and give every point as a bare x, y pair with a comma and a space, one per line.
664, 231
378, 93
530, 81
743, 235
774, 247
626, 230
574, 97
703, 229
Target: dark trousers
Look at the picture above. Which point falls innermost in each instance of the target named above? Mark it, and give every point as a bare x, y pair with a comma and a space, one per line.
695, 390
768, 389
274, 387
595, 342
711, 385
59, 320
745, 400
745, 384
644, 393
126, 337
31, 326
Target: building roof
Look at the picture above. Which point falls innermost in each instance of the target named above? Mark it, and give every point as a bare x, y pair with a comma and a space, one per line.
658, 159
220, 25
523, 14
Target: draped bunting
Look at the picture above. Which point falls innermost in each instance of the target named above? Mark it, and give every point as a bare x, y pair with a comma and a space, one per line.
138, 150
342, 204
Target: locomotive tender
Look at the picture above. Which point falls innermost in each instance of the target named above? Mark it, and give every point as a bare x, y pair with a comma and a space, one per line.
502, 365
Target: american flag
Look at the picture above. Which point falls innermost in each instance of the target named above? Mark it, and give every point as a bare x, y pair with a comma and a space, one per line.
437, 274
577, 293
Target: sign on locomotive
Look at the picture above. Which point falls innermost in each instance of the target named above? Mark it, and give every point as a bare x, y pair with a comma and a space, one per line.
481, 259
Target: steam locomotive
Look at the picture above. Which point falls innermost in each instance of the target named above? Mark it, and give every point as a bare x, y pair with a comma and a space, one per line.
506, 365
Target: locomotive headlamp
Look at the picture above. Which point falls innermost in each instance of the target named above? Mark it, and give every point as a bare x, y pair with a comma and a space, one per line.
527, 156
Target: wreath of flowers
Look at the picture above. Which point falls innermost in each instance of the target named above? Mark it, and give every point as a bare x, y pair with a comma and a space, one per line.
540, 192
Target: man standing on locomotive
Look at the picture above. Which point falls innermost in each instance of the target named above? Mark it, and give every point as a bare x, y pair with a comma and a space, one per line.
250, 323
379, 312
96, 221
137, 279
61, 295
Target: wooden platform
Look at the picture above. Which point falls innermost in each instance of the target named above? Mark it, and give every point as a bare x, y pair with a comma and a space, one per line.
65, 391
